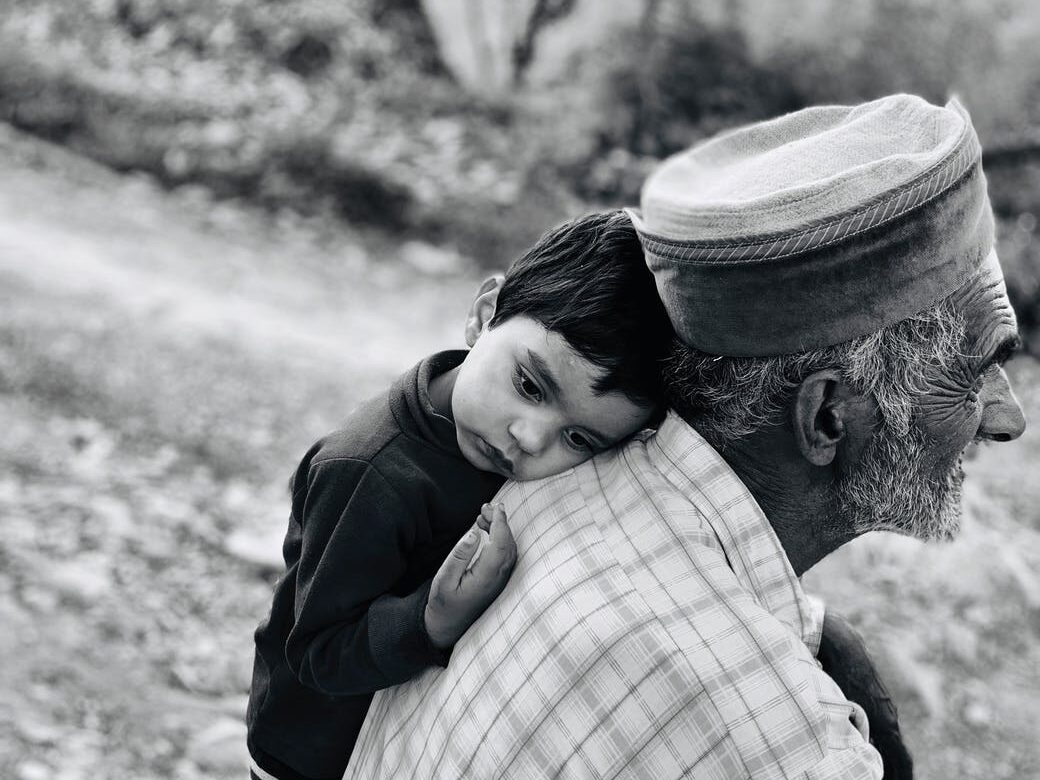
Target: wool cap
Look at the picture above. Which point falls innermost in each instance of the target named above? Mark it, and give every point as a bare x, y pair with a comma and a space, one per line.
816, 227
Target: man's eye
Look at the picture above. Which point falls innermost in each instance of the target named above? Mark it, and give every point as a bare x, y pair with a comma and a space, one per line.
579, 441
988, 373
979, 381
525, 385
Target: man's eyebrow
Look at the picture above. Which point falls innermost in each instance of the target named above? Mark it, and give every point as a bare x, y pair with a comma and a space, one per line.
1002, 354
545, 374
1008, 347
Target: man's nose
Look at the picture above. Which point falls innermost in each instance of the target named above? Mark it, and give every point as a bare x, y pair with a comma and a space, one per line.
1002, 418
531, 436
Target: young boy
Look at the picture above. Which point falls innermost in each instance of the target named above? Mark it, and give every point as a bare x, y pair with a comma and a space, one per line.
381, 581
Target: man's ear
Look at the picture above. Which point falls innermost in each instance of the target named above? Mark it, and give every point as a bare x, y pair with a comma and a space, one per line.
483, 307
819, 416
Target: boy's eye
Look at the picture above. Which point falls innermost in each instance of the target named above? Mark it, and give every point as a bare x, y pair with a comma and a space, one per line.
526, 386
579, 441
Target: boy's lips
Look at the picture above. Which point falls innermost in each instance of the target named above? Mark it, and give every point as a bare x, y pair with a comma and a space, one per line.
496, 456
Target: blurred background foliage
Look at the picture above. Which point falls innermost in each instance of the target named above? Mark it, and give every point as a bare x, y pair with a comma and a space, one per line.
479, 124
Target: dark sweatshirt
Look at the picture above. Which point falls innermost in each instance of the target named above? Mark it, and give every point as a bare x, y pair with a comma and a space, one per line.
376, 508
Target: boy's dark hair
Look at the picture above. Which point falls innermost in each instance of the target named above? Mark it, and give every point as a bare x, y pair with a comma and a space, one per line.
587, 280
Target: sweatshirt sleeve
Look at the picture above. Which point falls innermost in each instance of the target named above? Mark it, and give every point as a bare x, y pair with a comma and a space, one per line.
351, 634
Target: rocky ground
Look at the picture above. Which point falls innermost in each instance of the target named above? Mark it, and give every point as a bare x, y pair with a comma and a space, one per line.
164, 361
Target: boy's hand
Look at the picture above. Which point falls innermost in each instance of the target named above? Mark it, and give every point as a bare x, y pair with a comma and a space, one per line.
844, 657
470, 578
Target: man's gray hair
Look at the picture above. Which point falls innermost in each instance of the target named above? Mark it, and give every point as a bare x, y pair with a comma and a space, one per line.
726, 398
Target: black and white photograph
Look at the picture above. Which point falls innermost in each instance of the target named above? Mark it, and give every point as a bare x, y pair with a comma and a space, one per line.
519, 389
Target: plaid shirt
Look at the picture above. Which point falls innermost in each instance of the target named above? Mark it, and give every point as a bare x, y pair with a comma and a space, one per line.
652, 628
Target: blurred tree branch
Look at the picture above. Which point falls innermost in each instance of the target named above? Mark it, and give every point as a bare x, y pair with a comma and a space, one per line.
1013, 151
647, 97
545, 12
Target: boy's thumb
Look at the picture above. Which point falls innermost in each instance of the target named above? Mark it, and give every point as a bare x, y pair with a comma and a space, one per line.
463, 549
454, 567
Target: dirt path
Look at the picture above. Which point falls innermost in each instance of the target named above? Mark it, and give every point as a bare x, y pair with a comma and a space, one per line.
163, 361
75, 229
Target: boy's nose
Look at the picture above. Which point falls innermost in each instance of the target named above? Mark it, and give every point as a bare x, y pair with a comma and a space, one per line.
530, 436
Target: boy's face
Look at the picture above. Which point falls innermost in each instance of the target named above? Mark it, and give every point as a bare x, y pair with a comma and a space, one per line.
524, 406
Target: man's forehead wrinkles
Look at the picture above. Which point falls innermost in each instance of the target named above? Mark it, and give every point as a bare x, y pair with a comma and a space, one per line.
1000, 321
986, 283
995, 284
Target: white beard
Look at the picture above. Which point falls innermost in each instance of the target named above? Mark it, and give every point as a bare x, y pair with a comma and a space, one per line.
889, 490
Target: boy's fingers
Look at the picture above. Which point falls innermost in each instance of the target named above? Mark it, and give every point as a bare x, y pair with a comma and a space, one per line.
454, 565
490, 511
501, 534
482, 542
464, 547
485, 517
498, 558
488, 514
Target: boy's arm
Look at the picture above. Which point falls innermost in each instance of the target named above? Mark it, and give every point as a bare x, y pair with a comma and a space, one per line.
351, 634
470, 578
844, 657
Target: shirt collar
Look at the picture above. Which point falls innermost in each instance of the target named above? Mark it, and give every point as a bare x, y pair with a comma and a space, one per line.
748, 540
418, 415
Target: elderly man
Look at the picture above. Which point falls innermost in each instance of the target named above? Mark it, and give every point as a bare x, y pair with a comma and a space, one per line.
843, 320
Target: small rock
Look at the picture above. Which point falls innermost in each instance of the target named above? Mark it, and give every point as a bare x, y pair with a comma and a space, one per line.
83, 580
221, 746
33, 770
961, 642
10, 489
918, 678
238, 495
38, 733
222, 133
429, 259
1022, 575
977, 714
41, 600
176, 162
264, 550
234, 706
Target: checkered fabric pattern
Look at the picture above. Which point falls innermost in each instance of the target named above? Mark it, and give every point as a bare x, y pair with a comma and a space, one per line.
653, 628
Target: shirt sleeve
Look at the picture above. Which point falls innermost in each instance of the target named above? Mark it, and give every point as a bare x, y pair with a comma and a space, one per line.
814, 633
849, 754
785, 716
352, 633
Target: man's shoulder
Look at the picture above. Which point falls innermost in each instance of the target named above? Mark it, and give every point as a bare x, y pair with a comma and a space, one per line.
614, 484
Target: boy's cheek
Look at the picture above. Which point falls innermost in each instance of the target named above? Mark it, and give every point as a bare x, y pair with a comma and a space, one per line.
546, 466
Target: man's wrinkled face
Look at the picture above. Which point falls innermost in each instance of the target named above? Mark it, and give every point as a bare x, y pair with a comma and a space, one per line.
911, 483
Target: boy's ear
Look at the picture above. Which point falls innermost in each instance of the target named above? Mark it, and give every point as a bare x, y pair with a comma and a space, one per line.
483, 307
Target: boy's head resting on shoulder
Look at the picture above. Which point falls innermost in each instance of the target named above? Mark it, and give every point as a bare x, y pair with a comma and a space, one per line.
566, 353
